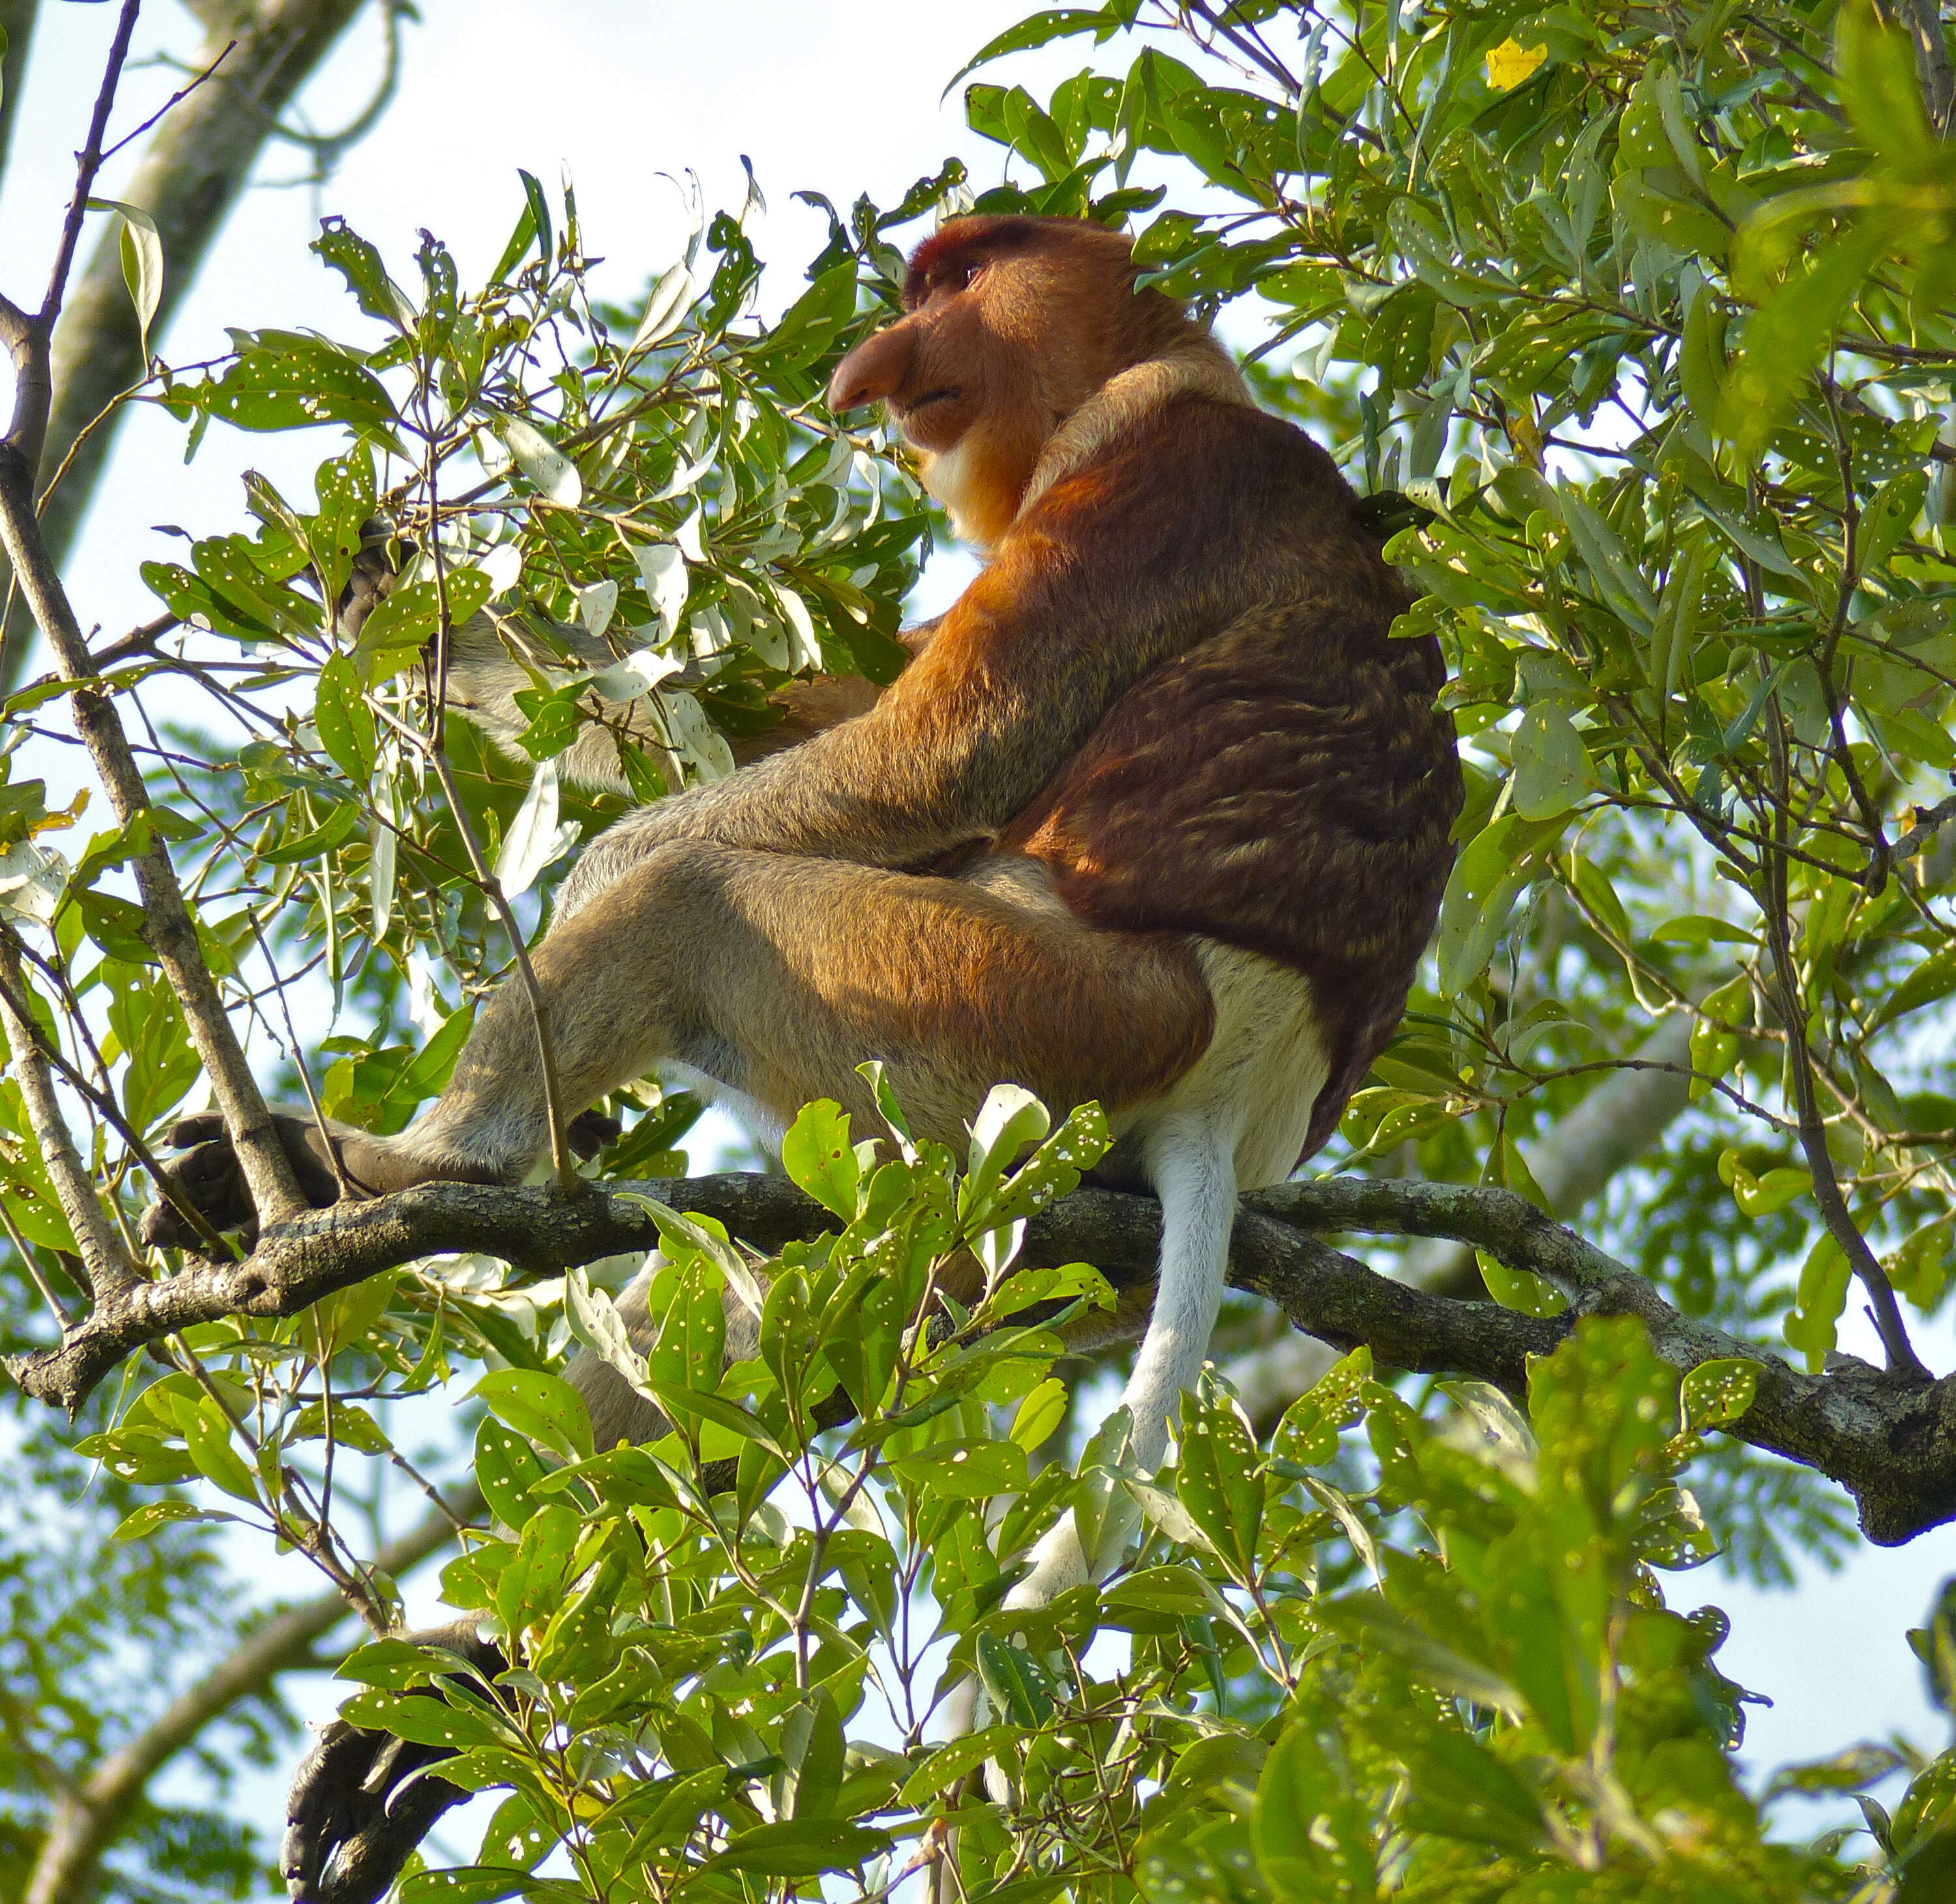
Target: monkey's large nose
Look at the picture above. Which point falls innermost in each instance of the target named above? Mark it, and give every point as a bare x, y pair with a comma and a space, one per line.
873, 371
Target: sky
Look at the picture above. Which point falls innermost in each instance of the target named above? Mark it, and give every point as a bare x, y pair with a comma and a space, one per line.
624, 96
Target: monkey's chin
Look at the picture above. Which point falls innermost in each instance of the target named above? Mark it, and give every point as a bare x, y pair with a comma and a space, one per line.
952, 477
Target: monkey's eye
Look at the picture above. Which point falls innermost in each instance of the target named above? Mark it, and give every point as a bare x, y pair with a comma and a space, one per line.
960, 277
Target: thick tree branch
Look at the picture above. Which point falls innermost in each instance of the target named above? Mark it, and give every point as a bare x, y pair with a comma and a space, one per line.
1890, 1441
190, 175
88, 1818
1573, 1164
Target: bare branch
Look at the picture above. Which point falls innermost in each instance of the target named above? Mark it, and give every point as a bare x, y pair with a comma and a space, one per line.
88, 162
229, 47
88, 1817
1890, 1441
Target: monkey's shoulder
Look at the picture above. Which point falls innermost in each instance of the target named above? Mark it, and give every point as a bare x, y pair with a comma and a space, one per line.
1199, 439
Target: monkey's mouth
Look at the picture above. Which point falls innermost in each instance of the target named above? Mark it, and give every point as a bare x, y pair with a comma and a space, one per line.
944, 393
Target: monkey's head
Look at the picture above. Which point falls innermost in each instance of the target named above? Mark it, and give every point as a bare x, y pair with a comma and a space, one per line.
1011, 325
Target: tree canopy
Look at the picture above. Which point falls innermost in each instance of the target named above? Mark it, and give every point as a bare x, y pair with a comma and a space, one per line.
1637, 324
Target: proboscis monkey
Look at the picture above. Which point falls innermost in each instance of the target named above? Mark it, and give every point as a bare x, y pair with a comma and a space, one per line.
1158, 815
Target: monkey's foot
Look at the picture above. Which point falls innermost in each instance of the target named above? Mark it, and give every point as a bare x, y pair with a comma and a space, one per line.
208, 1179
350, 1824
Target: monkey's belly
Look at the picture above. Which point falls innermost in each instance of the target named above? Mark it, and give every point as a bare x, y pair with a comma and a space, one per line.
1262, 1069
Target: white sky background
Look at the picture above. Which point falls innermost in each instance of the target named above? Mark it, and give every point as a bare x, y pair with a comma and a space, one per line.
836, 95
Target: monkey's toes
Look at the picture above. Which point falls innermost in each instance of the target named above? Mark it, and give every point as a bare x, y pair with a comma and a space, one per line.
591, 1131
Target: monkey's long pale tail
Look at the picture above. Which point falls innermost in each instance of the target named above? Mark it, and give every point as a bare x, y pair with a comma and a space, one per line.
1192, 1156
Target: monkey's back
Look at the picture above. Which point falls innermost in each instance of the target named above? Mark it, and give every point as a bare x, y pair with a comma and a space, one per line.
1286, 785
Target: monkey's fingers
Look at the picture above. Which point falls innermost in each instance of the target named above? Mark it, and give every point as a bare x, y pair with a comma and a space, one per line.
206, 1178
349, 1827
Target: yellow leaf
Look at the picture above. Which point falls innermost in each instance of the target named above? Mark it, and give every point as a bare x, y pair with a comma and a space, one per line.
1511, 62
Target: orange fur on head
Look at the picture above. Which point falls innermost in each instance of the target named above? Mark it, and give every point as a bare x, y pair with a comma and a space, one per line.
1011, 324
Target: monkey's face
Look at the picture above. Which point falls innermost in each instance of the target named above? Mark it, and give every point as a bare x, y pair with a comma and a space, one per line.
1010, 324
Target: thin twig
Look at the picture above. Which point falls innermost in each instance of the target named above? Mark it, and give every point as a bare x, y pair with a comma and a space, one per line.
88, 162
106, 1263
1884, 1309
181, 94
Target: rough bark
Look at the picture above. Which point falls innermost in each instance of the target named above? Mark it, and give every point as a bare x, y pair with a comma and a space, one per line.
195, 165
1890, 1441
88, 1818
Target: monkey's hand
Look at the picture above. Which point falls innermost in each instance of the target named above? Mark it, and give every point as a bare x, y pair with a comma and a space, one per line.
350, 1824
375, 568
207, 1179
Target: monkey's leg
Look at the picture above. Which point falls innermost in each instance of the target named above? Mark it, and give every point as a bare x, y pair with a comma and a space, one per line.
778, 975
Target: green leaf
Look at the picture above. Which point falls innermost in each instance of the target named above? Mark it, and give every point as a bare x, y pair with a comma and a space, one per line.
351, 1426
799, 1847
1718, 1393
1553, 769
941, 1773
1875, 68
1486, 879
1932, 980
545, 1408
140, 1522
1618, 575
338, 828
1163, 1589
359, 263
1824, 1278
679, 1400
1217, 1478
1783, 338
545, 466
1308, 1433
1062, 23
142, 248
1312, 1837
420, 1721
483, 1884
540, 217
1010, 1119
817, 1156
1714, 1047
965, 1470
507, 1469
1040, 1414
1020, 1688
208, 1436
285, 380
